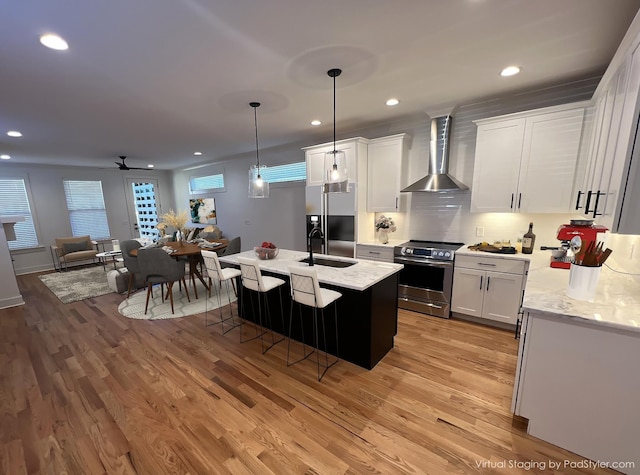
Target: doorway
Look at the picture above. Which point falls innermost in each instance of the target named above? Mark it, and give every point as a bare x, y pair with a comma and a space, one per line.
144, 205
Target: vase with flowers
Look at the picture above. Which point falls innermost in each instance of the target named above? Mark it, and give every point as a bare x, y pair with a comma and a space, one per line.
178, 221
384, 226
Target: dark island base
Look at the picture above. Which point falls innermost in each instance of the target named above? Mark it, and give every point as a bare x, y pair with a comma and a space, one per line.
367, 320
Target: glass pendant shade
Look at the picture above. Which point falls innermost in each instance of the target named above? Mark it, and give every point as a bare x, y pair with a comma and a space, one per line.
258, 186
335, 178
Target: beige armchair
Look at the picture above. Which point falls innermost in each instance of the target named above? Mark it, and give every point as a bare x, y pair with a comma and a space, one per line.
72, 249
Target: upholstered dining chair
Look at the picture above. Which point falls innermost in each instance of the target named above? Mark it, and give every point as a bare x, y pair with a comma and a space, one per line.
158, 267
232, 248
130, 262
217, 273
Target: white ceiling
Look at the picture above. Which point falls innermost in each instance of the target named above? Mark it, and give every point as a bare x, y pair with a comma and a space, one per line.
157, 80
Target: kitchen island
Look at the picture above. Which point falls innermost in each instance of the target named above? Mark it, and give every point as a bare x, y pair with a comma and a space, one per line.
367, 310
577, 379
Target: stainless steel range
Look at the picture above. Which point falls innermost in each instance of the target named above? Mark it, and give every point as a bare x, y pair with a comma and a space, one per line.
427, 277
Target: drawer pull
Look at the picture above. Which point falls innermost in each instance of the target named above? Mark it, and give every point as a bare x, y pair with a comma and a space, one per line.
485, 264
374, 252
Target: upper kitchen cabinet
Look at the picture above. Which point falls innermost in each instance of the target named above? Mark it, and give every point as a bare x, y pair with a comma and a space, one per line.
526, 162
610, 187
355, 150
384, 172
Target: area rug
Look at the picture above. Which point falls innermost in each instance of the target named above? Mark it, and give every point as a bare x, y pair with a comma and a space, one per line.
133, 307
74, 285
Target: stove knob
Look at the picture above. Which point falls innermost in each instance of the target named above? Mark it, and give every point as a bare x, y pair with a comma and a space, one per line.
447, 254
440, 254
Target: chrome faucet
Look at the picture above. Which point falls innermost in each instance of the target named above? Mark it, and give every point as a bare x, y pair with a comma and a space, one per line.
316, 233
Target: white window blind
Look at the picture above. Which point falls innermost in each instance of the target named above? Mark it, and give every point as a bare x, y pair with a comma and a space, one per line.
206, 183
14, 201
87, 213
284, 173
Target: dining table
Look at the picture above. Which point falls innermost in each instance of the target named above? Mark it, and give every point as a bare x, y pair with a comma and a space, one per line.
191, 250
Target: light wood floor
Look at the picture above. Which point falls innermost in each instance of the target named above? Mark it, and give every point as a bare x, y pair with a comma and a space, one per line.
84, 390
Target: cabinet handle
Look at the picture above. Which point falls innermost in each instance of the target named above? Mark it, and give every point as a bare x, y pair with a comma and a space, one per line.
374, 252
595, 206
485, 264
481, 281
586, 206
518, 324
488, 282
580, 193
396, 202
511, 205
519, 199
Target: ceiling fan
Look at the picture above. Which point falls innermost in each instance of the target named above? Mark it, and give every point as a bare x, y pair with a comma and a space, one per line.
123, 166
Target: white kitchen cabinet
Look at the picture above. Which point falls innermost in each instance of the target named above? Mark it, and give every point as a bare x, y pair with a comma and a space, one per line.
526, 162
488, 287
607, 192
577, 384
354, 150
384, 171
374, 253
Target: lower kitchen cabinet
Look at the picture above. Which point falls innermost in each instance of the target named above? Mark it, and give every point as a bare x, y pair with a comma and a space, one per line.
374, 253
488, 287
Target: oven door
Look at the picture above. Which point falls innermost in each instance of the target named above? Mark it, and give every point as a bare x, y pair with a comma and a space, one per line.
425, 286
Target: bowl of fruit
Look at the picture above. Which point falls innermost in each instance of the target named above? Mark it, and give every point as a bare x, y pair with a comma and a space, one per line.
267, 250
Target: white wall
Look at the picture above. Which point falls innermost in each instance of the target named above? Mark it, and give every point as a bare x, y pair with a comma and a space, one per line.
49, 206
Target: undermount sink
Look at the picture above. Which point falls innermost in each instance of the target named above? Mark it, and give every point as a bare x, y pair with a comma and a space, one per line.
320, 261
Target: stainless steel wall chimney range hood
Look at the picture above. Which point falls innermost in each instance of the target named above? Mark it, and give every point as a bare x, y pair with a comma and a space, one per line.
438, 179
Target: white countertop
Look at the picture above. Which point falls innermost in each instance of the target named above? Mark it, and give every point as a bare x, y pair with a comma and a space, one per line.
616, 303
465, 251
359, 276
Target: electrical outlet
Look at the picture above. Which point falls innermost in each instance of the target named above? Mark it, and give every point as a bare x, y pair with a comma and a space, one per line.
479, 231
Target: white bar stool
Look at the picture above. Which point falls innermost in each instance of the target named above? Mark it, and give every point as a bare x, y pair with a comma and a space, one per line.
253, 280
306, 290
215, 271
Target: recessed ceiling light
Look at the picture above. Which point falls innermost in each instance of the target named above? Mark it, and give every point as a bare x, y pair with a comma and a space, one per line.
54, 42
392, 102
197, 153
150, 165
510, 71
14, 133
5, 157
316, 122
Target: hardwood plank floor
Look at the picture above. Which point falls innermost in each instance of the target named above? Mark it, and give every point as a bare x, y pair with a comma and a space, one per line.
84, 390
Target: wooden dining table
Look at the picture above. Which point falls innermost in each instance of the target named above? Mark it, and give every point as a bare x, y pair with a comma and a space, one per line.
192, 252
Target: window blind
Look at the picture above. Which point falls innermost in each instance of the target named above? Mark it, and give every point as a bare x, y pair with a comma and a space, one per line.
87, 213
206, 183
14, 201
284, 173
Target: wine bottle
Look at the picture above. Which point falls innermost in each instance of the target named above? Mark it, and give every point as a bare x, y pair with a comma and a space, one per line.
528, 240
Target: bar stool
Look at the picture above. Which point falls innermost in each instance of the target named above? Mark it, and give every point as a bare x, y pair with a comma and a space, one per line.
306, 290
215, 271
253, 280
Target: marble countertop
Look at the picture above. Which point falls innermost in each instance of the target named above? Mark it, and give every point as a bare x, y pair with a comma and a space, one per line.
616, 303
465, 251
360, 276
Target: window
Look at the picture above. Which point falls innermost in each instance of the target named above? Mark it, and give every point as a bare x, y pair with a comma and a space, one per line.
204, 184
284, 173
14, 201
86, 208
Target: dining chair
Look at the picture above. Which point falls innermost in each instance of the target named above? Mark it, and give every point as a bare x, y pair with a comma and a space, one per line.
232, 248
306, 291
216, 272
158, 267
130, 262
256, 283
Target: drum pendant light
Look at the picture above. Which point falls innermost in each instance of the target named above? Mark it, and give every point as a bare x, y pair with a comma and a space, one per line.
258, 185
336, 179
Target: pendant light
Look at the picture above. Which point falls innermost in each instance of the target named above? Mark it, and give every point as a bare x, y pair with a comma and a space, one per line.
336, 179
258, 186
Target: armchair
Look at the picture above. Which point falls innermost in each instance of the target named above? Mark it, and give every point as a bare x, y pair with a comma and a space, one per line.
72, 249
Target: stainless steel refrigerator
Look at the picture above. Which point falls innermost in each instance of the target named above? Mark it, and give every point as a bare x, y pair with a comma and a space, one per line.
337, 216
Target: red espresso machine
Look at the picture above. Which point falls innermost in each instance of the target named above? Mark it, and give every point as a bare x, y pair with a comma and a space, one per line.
566, 232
